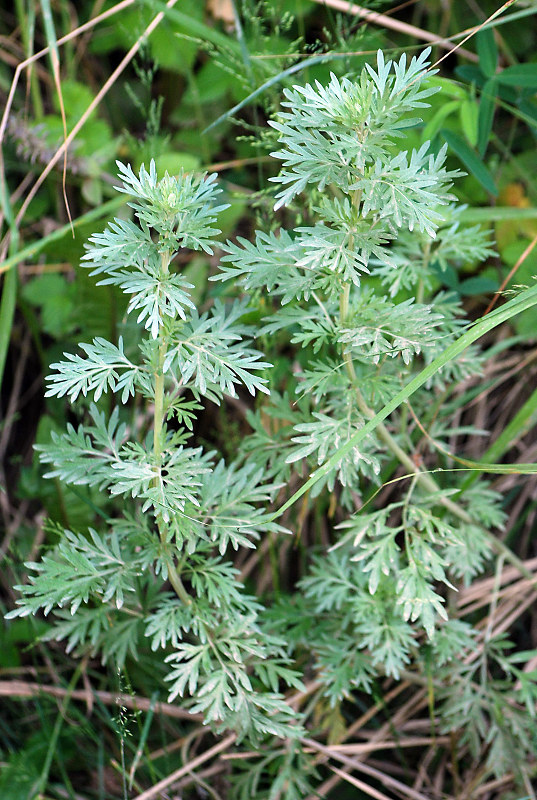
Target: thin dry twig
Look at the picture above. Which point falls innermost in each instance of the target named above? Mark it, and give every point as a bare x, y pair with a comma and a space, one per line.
372, 792
81, 122
359, 748
17, 688
375, 18
36, 56
382, 777
482, 588
472, 31
187, 768
512, 272
14, 406
515, 591
497, 783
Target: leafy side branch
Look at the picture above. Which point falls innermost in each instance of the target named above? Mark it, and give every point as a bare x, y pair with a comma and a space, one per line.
352, 284
184, 510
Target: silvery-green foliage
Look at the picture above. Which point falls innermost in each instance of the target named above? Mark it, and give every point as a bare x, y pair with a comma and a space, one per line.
342, 133
105, 367
490, 697
352, 287
209, 351
183, 509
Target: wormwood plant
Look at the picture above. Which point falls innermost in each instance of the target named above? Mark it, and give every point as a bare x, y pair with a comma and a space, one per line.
354, 286
160, 571
352, 283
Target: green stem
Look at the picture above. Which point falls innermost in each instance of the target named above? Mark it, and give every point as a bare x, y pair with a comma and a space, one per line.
526, 299
344, 303
27, 29
425, 262
7, 315
178, 584
344, 300
343, 315
41, 783
159, 436
9, 284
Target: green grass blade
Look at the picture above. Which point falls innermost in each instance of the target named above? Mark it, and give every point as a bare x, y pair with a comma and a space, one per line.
471, 161
494, 469
53, 741
26, 16
142, 743
245, 53
35, 247
526, 299
193, 27
9, 286
487, 106
487, 51
519, 425
308, 62
498, 214
7, 312
497, 21
50, 32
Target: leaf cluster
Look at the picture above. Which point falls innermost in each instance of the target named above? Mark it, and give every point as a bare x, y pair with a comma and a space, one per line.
184, 510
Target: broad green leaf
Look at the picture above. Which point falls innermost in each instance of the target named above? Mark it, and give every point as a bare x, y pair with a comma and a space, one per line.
471, 161
478, 285
468, 113
450, 88
487, 51
175, 163
471, 74
487, 104
434, 124
498, 214
524, 75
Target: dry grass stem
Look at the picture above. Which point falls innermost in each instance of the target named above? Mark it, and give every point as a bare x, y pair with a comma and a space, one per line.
356, 764
81, 122
356, 748
369, 790
187, 768
17, 688
36, 56
375, 18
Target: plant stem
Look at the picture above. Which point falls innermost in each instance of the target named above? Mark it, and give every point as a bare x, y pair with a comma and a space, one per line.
343, 314
425, 262
178, 584
159, 435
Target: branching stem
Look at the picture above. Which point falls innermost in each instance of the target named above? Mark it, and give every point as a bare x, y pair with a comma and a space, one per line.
431, 485
423, 478
159, 435
425, 262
